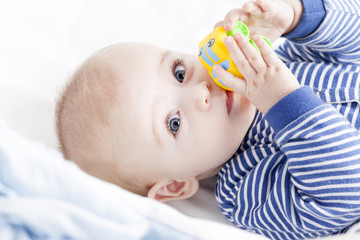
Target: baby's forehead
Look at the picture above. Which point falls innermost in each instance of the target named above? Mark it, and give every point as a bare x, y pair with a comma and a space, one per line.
128, 51
127, 60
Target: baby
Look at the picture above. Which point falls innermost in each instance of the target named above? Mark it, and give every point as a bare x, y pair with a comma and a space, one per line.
153, 121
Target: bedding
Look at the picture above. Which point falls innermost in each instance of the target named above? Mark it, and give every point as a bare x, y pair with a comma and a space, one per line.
41, 194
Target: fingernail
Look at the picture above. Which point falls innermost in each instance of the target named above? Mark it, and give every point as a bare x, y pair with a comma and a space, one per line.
228, 40
227, 27
238, 36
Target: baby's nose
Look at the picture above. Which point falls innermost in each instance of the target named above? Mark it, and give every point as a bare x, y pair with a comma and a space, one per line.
203, 96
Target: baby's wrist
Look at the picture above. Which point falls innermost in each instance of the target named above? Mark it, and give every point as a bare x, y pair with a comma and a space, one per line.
291, 107
274, 99
298, 9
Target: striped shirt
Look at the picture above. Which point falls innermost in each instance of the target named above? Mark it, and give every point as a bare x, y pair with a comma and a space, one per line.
297, 173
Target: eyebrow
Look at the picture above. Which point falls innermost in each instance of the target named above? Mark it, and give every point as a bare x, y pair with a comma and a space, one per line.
164, 55
155, 128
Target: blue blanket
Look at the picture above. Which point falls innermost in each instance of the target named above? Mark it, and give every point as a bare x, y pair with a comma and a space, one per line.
43, 196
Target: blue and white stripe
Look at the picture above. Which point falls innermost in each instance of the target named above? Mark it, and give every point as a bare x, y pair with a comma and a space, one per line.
303, 180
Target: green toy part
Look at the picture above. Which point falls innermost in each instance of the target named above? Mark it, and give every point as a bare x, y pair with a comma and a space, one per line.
239, 27
254, 44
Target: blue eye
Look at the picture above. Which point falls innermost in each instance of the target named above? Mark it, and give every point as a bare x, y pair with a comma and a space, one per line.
179, 73
174, 123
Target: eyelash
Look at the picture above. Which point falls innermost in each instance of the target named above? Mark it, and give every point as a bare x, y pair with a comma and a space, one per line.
177, 62
167, 121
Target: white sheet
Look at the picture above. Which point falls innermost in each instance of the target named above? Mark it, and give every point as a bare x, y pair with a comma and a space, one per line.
42, 196
42, 42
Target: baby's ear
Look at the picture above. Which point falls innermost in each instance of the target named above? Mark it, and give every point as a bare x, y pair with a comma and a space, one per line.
170, 189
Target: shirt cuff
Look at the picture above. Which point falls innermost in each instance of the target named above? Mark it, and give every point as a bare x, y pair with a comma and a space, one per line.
314, 13
291, 107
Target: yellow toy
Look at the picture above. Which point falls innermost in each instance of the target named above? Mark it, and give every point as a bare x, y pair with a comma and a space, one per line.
212, 50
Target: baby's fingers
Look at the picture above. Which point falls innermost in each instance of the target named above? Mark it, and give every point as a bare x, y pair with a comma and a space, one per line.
234, 83
219, 24
251, 54
266, 5
233, 16
253, 8
267, 53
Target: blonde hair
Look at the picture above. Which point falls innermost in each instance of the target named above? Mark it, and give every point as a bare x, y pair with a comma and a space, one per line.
84, 126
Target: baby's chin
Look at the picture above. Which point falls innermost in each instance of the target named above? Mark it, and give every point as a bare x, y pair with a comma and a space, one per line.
210, 173
236, 138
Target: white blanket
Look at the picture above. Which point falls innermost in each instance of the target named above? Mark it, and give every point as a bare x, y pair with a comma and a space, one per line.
43, 196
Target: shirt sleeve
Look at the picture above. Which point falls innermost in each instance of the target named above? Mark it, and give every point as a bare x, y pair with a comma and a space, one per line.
313, 15
329, 31
305, 185
321, 164
303, 179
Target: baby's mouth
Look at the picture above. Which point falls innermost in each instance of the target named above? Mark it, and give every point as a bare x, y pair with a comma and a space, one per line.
229, 100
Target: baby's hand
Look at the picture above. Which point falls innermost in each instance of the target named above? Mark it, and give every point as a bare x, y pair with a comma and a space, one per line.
267, 79
270, 18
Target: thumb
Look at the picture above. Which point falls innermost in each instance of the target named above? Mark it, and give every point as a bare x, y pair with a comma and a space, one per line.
236, 84
219, 24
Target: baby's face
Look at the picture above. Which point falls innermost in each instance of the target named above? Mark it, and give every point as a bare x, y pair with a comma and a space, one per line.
178, 123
